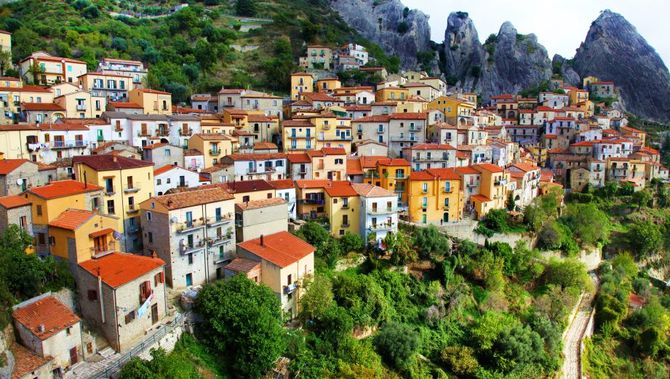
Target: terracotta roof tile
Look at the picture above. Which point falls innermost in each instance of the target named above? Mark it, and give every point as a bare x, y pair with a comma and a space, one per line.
242, 265
282, 249
368, 190
107, 162
488, 167
25, 361
340, 189
354, 166
164, 169
432, 146
41, 107
247, 186
282, 184
154, 145
256, 204
265, 146
62, 188
298, 158
197, 196
117, 269
71, 219
311, 183
9, 165
444, 173
9, 202
124, 105
49, 313
525, 167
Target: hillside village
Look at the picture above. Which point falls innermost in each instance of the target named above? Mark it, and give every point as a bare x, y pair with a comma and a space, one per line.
146, 200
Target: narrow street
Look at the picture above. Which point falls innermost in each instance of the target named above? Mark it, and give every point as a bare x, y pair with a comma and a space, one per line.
572, 339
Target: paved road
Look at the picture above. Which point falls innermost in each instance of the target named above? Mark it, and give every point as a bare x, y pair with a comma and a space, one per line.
572, 340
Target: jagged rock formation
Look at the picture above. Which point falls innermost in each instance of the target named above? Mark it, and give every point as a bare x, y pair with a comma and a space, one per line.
613, 50
386, 22
508, 63
562, 67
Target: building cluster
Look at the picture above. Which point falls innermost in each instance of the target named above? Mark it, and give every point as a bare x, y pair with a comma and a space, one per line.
144, 199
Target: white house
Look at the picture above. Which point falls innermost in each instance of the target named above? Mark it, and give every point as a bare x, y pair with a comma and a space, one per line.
527, 177
379, 211
286, 190
171, 176
268, 166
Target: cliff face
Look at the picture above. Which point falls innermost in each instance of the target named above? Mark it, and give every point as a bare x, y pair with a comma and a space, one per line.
508, 63
613, 50
385, 22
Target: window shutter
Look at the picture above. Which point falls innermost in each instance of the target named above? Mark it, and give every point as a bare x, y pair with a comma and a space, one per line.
162, 277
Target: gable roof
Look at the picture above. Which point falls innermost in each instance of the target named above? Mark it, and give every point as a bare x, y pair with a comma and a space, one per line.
368, 190
47, 312
117, 269
281, 249
71, 219
10, 202
107, 162
191, 198
9, 165
61, 188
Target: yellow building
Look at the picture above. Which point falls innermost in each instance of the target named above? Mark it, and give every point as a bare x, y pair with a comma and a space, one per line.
586, 82
126, 183
412, 105
391, 94
435, 196
332, 131
18, 141
50, 200
391, 174
342, 207
151, 100
82, 104
13, 96
492, 189
249, 190
213, 146
328, 163
310, 198
301, 82
43, 68
78, 235
455, 110
578, 96
328, 84
318, 56
298, 135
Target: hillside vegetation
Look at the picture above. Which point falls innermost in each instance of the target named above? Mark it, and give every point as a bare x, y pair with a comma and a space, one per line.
190, 50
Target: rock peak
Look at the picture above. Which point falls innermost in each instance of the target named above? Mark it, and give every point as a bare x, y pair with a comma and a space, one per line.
507, 28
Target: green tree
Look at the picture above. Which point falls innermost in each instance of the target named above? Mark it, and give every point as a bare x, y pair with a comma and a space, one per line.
397, 344
566, 273
400, 246
642, 199
243, 323
362, 297
587, 223
645, 239
313, 233
245, 8
317, 299
430, 242
518, 347
350, 242
461, 360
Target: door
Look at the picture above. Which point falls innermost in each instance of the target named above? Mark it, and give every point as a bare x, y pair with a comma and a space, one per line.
445, 217
154, 313
182, 181
189, 279
73, 356
24, 184
100, 136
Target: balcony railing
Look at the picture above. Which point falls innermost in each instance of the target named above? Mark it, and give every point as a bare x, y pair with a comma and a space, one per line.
132, 208
69, 144
313, 201
185, 248
399, 189
214, 221
214, 152
384, 226
290, 288
81, 107
131, 189
183, 132
382, 210
99, 251
218, 240
447, 190
184, 227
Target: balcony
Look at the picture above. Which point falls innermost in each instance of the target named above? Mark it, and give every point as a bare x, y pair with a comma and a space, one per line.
81, 107
313, 201
415, 128
399, 189
218, 240
289, 289
381, 227
346, 224
400, 177
214, 152
110, 192
186, 249
133, 229
383, 210
447, 190
216, 221
132, 208
183, 132
372, 175
131, 189
185, 227
99, 251
163, 133
69, 144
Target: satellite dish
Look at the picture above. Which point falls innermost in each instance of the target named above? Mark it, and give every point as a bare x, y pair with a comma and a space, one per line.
19, 182
174, 220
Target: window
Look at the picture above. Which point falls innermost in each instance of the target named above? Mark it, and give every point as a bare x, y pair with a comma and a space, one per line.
110, 207
288, 279
159, 278
92, 295
109, 185
245, 199
52, 240
39, 210
150, 237
40, 239
167, 152
190, 259
424, 187
158, 182
130, 317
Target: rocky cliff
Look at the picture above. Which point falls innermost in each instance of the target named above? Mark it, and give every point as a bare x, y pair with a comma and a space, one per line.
399, 31
613, 50
506, 63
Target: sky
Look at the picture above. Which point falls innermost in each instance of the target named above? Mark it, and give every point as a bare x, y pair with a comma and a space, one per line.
560, 26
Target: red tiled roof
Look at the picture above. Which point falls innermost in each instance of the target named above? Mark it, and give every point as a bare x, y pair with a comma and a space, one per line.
195, 196
375, 118
62, 188
262, 203
281, 249
247, 186
154, 145
467, 170
261, 118
9, 165
242, 265
282, 184
45, 317
41, 107
124, 104
63, 126
488, 167
334, 151
420, 175
117, 269
319, 96
408, 116
444, 173
393, 162
525, 167
255, 156
148, 90
298, 158
107, 162
480, 198
164, 169
312, 183
354, 166
25, 361
265, 146
71, 219
340, 189
9, 202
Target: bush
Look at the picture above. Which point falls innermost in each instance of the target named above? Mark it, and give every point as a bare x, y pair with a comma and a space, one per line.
496, 220
397, 344
403, 27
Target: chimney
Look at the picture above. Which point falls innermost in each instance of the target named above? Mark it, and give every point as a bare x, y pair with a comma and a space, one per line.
262, 244
113, 158
41, 328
